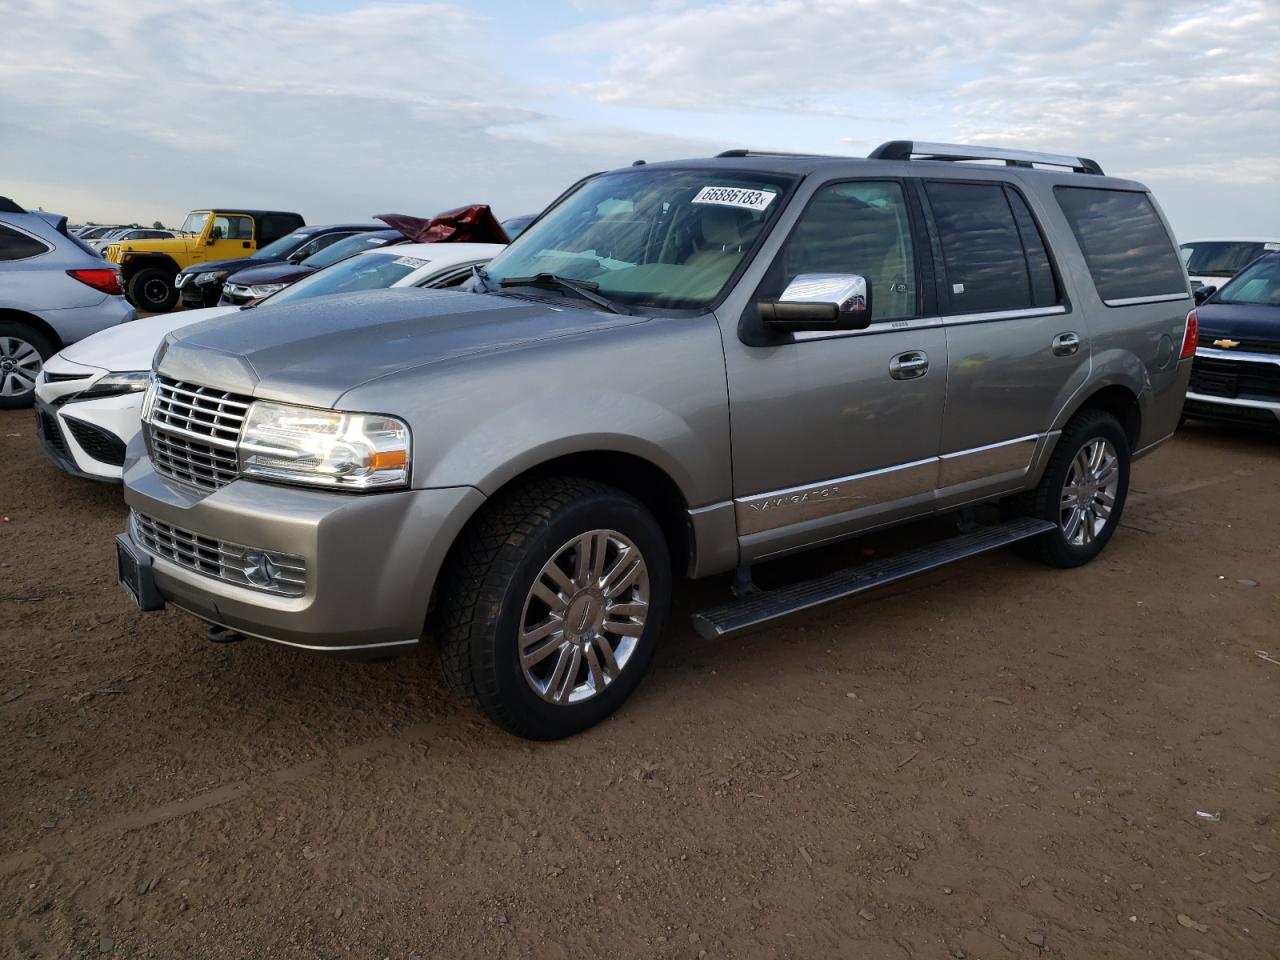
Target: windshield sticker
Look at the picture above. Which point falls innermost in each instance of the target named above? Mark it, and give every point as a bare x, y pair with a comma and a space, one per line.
735, 197
1271, 246
413, 262
375, 240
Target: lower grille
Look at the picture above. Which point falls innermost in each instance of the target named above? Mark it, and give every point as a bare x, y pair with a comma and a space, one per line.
1235, 379
279, 573
102, 445
53, 433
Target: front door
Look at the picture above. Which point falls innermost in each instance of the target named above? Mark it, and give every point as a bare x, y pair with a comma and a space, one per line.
836, 432
229, 236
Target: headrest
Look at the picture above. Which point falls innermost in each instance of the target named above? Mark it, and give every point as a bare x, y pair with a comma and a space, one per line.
720, 226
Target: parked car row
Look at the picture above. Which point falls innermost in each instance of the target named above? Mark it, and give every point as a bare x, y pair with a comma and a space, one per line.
677, 367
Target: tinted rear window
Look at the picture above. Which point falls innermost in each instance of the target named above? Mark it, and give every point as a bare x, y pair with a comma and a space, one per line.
1127, 250
18, 246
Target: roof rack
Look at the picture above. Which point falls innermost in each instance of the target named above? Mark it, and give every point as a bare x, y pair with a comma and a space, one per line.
908, 149
8, 206
740, 152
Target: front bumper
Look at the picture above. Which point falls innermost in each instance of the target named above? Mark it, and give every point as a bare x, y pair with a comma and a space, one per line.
197, 295
1240, 387
371, 559
86, 438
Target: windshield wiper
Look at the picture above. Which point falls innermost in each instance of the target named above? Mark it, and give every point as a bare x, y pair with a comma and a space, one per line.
583, 288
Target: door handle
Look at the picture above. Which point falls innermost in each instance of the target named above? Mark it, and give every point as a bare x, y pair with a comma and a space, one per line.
909, 365
1065, 344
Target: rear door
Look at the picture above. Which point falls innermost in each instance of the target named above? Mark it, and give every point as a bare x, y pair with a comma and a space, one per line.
1016, 348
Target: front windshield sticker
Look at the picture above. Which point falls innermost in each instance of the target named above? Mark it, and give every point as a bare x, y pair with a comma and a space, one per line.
735, 197
413, 262
1271, 246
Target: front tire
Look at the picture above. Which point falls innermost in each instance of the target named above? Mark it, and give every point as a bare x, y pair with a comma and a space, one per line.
152, 290
1083, 490
23, 352
552, 605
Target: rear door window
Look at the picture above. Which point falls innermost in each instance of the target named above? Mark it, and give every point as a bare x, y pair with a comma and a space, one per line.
1125, 246
982, 254
15, 245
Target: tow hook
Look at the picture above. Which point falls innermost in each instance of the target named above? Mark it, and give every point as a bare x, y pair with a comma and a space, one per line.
223, 635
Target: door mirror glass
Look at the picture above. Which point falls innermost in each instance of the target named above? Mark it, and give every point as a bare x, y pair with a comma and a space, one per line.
821, 301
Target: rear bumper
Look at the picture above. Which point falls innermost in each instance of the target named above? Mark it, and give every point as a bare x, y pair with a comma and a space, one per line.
371, 561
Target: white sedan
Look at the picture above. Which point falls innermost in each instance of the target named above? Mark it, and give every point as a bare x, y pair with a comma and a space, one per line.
89, 396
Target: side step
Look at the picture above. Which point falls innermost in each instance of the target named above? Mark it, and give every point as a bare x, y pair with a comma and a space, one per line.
765, 605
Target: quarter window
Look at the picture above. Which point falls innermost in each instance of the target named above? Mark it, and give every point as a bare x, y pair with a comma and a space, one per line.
1126, 247
18, 246
986, 269
860, 227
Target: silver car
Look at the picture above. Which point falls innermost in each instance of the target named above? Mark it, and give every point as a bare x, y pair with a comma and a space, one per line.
54, 290
679, 369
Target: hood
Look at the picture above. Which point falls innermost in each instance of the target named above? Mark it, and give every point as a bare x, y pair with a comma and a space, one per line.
235, 263
1239, 321
176, 247
314, 351
130, 346
271, 272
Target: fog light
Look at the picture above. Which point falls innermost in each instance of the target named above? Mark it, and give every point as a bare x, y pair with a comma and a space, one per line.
259, 570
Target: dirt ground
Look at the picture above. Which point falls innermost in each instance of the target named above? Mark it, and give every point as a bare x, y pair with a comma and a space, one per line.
994, 760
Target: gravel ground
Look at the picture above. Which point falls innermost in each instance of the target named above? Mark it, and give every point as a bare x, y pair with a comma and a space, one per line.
994, 760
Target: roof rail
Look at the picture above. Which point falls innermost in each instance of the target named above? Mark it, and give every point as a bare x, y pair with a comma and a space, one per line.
740, 152
907, 149
8, 206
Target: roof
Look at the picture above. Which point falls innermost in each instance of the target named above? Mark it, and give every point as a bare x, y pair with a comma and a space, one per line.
248, 211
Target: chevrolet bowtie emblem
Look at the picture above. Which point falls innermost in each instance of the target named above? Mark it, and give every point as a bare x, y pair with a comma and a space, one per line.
1226, 344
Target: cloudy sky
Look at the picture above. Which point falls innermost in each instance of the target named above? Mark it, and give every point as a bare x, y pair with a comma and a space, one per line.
341, 109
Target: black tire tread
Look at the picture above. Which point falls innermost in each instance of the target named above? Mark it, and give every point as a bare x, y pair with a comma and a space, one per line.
476, 577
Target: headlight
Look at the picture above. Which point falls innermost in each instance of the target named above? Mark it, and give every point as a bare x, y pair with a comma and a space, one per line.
260, 290
213, 276
116, 384
327, 448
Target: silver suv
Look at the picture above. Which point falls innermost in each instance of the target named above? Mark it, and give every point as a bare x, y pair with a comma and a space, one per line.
54, 290
678, 368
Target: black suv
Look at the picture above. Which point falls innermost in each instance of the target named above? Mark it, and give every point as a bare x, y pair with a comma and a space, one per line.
1236, 374
200, 285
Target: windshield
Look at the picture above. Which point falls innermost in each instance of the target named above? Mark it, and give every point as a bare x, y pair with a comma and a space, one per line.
344, 248
656, 238
279, 249
195, 222
1220, 258
371, 271
1259, 284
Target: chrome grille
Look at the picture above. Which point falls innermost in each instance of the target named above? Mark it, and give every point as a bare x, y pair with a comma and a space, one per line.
220, 559
193, 431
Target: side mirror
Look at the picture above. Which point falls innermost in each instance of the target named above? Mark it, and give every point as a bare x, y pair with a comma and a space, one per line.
821, 301
1202, 294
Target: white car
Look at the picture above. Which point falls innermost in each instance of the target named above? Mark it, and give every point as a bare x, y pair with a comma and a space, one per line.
89, 396
1214, 261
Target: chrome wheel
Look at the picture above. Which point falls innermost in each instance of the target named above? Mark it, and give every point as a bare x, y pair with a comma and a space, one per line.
1089, 492
583, 617
20, 362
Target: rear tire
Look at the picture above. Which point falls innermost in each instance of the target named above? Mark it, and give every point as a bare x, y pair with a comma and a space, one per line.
23, 352
1083, 490
152, 290
552, 604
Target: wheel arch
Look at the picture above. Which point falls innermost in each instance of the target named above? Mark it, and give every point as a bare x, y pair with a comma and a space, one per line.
36, 323
147, 261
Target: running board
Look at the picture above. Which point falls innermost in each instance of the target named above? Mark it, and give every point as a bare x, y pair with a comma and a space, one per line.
765, 605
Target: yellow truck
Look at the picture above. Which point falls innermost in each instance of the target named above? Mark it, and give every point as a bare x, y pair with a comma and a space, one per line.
150, 267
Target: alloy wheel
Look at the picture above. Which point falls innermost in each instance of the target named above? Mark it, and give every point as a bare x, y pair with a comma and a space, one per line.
1089, 492
583, 617
20, 363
